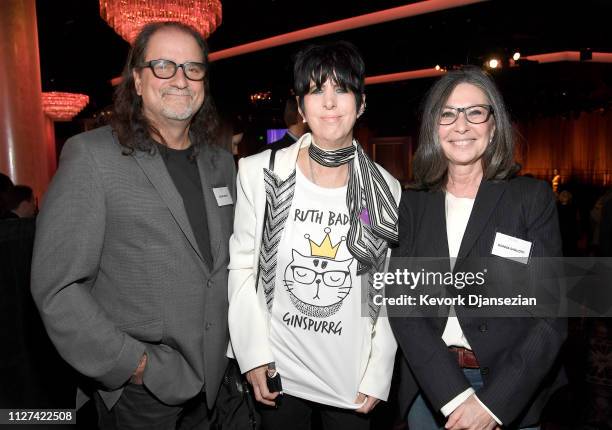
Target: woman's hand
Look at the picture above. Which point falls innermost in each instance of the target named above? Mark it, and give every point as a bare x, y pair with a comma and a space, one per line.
257, 378
370, 403
470, 415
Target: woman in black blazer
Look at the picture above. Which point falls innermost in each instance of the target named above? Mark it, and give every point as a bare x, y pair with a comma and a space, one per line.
469, 368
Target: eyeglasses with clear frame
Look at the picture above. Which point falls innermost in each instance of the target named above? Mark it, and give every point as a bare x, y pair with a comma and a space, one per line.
166, 69
476, 114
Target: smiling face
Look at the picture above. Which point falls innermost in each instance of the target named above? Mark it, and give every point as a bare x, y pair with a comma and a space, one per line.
330, 112
177, 98
464, 143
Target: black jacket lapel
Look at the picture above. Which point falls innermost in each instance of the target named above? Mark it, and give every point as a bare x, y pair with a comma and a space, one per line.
437, 213
487, 197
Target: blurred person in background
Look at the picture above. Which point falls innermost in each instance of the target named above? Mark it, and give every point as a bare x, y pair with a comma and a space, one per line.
296, 126
5, 185
21, 202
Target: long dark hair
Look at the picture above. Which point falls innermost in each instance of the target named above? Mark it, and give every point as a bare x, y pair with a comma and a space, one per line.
430, 165
339, 61
133, 129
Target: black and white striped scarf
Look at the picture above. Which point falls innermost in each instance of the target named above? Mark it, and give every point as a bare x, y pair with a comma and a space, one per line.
372, 208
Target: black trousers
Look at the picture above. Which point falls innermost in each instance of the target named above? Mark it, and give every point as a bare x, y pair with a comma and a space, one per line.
138, 409
296, 414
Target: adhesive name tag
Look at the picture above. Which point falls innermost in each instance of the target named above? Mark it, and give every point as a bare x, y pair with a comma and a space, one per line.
512, 248
223, 196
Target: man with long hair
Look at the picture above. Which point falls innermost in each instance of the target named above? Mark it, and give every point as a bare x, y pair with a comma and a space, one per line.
131, 253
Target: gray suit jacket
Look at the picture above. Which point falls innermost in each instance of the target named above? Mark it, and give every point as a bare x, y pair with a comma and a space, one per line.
117, 271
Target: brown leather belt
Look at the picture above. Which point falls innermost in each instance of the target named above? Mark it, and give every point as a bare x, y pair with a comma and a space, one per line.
465, 357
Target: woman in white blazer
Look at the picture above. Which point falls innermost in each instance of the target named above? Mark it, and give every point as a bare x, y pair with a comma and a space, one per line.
300, 291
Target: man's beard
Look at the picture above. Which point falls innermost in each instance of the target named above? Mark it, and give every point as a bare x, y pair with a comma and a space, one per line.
172, 112
181, 115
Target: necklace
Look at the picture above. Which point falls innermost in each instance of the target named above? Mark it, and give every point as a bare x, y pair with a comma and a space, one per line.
313, 176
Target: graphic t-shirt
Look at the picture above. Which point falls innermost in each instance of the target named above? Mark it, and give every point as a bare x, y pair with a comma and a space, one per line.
317, 332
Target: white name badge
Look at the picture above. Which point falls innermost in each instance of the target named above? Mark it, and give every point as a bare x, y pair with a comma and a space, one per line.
511, 248
223, 196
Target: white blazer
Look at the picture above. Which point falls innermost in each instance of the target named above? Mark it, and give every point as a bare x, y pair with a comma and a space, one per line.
249, 318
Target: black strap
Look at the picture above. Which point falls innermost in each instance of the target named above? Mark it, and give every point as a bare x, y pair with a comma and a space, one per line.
263, 229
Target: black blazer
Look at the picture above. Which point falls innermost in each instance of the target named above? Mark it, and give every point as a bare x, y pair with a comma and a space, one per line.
518, 357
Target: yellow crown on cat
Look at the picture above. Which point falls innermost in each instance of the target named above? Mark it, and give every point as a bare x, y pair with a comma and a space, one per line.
325, 248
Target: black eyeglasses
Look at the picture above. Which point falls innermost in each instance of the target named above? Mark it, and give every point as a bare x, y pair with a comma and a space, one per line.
166, 69
476, 114
333, 278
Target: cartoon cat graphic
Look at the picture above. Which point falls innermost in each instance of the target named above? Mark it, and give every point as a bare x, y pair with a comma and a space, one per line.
318, 284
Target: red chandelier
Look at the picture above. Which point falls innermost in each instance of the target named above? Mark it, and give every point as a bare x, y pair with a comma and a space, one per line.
127, 17
63, 106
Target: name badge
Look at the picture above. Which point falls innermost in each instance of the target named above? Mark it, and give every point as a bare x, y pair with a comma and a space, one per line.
511, 248
223, 196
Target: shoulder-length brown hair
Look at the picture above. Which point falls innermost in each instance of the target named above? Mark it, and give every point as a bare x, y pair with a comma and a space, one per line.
133, 129
430, 165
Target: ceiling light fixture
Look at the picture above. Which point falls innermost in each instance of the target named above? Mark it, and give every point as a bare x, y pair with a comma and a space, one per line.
63, 106
127, 17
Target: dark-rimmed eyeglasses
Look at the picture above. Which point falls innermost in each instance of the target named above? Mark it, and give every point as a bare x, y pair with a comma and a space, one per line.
332, 278
166, 69
476, 114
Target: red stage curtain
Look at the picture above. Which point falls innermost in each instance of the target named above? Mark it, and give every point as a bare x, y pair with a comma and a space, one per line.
579, 147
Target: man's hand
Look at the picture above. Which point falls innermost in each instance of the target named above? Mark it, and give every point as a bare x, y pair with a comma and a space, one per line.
370, 403
137, 376
470, 415
257, 378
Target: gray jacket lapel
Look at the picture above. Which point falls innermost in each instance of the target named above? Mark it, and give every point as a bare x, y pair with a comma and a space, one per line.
154, 168
208, 175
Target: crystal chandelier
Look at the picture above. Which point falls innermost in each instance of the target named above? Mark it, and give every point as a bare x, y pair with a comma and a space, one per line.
127, 17
63, 106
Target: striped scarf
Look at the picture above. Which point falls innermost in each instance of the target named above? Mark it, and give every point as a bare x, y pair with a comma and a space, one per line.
372, 208
372, 211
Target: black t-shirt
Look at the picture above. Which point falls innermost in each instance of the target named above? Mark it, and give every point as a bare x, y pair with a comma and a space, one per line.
186, 177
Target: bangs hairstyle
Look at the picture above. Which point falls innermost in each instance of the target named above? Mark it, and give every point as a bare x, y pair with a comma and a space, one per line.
430, 165
133, 129
339, 62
